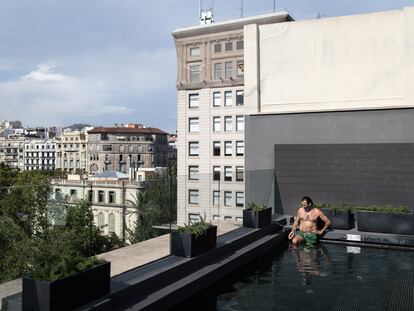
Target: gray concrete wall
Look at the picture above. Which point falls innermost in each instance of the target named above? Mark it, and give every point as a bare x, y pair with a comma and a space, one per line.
349, 62
361, 157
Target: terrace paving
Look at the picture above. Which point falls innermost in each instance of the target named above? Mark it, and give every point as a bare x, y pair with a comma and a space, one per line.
125, 258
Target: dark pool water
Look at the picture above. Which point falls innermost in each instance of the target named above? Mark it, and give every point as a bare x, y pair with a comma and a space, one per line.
328, 277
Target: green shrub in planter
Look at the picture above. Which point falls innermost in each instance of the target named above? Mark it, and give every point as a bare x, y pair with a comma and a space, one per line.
69, 283
257, 215
192, 240
339, 214
385, 219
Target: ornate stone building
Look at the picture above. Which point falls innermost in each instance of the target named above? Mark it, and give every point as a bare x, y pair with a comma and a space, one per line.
126, 148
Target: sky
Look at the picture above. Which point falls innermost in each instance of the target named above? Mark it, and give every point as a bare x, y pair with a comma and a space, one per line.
103, 62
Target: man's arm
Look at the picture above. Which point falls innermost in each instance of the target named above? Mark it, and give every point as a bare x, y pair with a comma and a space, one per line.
295, 224
325, 220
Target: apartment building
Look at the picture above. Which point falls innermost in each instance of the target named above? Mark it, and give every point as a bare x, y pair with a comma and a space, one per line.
12, 151
109, 193
126, 148
39, 154
71, 151
210, 111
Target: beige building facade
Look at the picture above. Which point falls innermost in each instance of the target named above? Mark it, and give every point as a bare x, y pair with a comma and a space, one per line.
126, 149
71, 151
210, 125
12, 151
342, 63
110, 200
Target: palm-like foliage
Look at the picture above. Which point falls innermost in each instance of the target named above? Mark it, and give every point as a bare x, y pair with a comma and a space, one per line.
155, 205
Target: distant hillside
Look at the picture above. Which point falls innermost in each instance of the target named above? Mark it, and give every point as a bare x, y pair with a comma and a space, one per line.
77, 126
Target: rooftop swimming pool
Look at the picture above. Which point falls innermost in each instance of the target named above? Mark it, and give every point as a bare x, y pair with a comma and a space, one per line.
328, 277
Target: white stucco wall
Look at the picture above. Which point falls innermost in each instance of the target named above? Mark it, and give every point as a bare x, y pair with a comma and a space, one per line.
361, 61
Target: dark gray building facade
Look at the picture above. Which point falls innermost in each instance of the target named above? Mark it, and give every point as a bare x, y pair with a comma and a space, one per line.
359, 157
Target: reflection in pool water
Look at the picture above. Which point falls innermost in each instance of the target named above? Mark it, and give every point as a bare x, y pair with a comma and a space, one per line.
327, 277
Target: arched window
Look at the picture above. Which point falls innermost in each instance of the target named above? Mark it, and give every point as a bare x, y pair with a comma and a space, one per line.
111, 223
101, 220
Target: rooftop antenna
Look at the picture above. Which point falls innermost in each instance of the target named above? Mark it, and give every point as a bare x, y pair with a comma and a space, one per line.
319, 15
206, 15
241, 8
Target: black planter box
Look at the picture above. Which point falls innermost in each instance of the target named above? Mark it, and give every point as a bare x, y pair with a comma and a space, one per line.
342, 220
187, 245
67, 293
258, 219
385, 222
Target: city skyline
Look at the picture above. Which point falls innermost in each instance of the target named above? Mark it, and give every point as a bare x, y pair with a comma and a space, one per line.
106, 62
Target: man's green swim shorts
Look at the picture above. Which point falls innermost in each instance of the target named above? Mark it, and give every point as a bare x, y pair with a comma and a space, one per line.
309, 237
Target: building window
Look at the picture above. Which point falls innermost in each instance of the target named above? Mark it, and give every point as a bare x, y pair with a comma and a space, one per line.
239, 123
107, 148
240, 98
216, 198
111, 221
193, 196
90, 196
228, 123
216, 124
228, 148
101, 220
111, 197
195, 51
240, 45
228, 98
228, 198
228, 173
239, 173
217, 71
229, 46
193, 148
239, 199
193, 172
216, 148
195, 73
73, 192
193, 125
216, 99
229, 69
216, 173
239, 148
240, 68
193, 100
121, 148
217, 48
100, 196
193, 218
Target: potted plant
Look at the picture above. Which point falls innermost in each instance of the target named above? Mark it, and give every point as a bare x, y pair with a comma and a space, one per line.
192, 240
385, 219
339, 214
68, 284
257, 215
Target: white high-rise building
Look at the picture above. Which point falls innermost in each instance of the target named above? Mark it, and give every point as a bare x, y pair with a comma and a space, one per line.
210, 109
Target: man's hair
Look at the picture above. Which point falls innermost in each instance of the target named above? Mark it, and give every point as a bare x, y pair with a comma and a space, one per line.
308, 200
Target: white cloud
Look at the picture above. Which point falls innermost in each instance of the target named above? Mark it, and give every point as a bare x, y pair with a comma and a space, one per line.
46, 97
44, 73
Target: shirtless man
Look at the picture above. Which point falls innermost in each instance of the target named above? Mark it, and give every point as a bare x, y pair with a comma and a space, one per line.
306, 219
